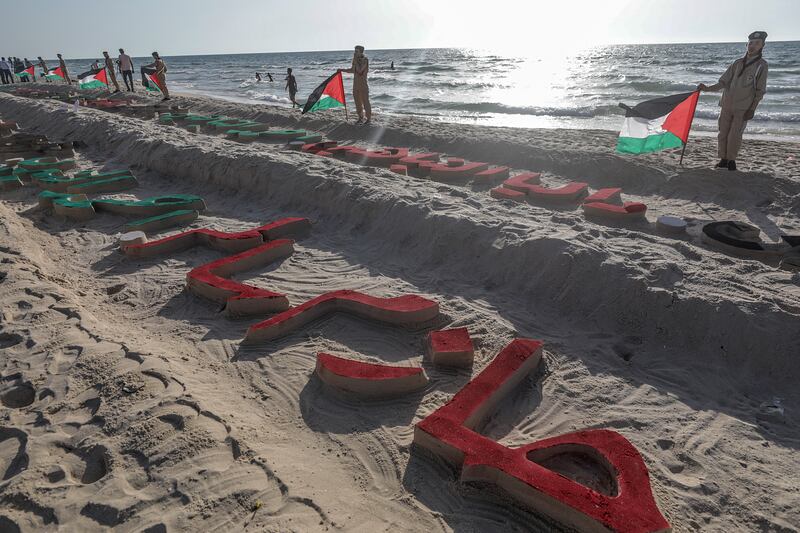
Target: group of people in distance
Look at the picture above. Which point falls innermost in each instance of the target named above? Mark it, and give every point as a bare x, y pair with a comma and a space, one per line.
123, 64
11, 65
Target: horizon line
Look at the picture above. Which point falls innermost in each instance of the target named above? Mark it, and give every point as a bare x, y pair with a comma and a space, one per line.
427, 48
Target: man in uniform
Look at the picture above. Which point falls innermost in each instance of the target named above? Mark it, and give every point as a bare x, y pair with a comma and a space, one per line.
63, 67
743, 85
111, 71
359, 70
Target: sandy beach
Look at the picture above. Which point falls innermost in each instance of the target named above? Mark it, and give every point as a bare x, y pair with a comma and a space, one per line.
131, 403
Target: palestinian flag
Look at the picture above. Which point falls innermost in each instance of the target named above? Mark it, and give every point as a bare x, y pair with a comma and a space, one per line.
25, 72
95, 78
55, 74
149, 79
328, 95
658, 124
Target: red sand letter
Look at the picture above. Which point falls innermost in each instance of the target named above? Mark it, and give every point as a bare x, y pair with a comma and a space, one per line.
450, 433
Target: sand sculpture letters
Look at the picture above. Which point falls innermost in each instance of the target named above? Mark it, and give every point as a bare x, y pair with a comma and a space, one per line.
451, 432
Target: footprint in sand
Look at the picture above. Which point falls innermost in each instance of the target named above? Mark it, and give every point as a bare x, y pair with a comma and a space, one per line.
61, 360
83, 464
95, 464
7, 340
18, 396
8, 526
13, 452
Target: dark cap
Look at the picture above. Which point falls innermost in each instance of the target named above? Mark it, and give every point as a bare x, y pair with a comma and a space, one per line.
758, 35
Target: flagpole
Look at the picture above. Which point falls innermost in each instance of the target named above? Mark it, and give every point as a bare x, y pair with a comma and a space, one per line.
690, 129
344, 96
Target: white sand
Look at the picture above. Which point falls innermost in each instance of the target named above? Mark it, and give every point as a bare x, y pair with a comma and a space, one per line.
142, 411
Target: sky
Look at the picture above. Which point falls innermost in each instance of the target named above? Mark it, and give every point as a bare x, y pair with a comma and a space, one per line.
83, 28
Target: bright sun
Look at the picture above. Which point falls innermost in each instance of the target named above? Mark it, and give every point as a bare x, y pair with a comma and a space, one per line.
530, 29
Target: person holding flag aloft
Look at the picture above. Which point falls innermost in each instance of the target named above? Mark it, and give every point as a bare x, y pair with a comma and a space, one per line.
359, 69
744, 85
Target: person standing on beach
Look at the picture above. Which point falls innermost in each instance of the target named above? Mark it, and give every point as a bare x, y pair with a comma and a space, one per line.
28, 64
43, 66
160, 74
17, 66
126, 68
63, 67
111, 70
291, 86
359, 70
744, 85
9, 69
5, 71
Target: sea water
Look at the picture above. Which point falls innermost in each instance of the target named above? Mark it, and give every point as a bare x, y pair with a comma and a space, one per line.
550, 89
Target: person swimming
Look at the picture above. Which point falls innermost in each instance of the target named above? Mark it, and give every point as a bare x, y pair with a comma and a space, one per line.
269, 77
258, 76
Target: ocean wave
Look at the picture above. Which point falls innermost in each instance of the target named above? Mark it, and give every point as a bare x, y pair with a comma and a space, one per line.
498, 108
266, 97
436, 68
761, 115
591, 111
647, 87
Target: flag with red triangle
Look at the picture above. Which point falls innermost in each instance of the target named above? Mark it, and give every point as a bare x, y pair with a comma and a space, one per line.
25, 72
658, 124
55, 74
149, 79
328, 95
95, 78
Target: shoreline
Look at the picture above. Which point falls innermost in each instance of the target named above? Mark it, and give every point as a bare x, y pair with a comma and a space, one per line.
671, 343
189, 93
